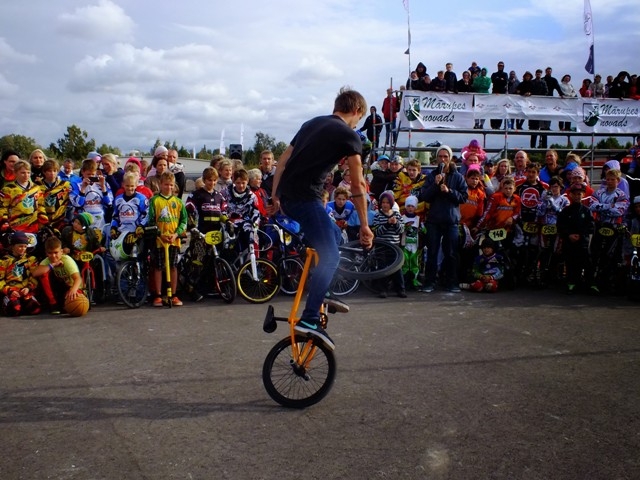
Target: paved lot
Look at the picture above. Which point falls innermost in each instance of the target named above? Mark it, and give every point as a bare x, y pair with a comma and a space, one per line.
519, 385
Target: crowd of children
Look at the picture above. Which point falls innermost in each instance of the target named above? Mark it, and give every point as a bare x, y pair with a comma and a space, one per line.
515, 229
513, 226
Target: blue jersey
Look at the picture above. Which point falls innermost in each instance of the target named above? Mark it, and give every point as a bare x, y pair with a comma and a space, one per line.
93, 201
129, 212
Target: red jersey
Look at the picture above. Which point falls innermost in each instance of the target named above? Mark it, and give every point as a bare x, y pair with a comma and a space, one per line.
471, 211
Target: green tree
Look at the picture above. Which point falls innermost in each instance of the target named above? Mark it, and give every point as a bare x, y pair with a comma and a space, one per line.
204, 154
19, 143
609, 143
183, 152
74, 144
104, 148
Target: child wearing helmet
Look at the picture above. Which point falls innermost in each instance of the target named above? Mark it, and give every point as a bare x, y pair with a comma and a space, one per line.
488, 269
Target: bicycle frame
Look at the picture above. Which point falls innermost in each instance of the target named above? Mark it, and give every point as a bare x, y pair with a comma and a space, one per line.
301, 356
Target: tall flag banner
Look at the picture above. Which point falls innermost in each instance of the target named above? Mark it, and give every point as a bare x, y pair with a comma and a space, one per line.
222, 149
588, 31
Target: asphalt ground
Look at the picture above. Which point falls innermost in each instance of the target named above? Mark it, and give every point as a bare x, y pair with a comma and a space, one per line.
513, 385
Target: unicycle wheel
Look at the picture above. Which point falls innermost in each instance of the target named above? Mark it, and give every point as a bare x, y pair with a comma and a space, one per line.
298, 386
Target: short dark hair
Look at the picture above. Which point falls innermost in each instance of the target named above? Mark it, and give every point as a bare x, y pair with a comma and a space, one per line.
349, 101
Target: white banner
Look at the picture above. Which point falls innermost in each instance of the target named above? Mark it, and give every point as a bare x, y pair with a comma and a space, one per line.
435, 110
609, 116
458, 111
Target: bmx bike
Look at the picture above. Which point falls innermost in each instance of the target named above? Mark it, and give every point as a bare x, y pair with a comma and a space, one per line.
300, 370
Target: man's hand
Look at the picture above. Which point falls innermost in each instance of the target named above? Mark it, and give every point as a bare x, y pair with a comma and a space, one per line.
366, 237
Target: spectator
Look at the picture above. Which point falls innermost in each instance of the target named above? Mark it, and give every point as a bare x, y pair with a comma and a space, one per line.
520, 162
538, 87
551, 168
597, 87
499, 80
37, 159
373, 126
268, 170
465, 84
503, 170
620, 87
445, 190
568, 91
419, 79
585, 89
450, 78
382, 178
481, 84
390, 109
439, 84
474, 69
512, 86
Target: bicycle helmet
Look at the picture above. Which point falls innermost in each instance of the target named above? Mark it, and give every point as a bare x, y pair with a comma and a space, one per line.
121, 248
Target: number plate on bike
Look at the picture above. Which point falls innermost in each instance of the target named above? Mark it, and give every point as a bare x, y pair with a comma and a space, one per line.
213, 238
549, 229
530, 227
635, 239
606, 231
86, 256
498, 234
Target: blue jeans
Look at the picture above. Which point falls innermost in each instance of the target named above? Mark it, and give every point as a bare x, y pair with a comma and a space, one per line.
324, 236
446, 236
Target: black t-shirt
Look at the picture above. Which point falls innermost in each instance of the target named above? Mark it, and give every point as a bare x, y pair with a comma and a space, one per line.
318, 147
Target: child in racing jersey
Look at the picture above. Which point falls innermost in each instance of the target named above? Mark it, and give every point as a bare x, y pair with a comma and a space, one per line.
22, 201
92, 194
56, 195
130, 208
242, 207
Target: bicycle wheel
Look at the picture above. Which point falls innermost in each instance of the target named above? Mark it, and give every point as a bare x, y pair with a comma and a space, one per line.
296, 386
290, 275
88, 285
264, 287
340, 285
380, 261
225, 281
132, 284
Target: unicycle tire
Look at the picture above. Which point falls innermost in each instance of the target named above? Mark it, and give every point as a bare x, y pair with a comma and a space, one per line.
296, 388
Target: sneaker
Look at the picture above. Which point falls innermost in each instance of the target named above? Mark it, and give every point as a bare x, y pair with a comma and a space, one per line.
454, 289
594, 289
571, 288
176, 302
428, 288
311, 327
465, 286
334, 305
55, 310
402, 294
157, 302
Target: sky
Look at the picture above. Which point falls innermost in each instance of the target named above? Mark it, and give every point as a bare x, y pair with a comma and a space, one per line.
133, 71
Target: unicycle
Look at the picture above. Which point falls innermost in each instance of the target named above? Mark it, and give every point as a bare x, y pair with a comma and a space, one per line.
300, 369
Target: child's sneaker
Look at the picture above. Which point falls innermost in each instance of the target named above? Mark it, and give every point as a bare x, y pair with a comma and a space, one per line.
176, 302
312, 327
157, 302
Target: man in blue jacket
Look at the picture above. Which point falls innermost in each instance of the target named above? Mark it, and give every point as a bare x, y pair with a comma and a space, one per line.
445, 190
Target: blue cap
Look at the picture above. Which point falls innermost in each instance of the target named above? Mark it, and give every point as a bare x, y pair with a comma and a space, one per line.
383, 157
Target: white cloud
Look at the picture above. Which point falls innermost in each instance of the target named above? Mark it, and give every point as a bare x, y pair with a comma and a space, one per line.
315, 70
9, 54
104, 21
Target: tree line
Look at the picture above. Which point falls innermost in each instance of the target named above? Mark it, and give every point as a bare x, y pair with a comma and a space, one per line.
76, 145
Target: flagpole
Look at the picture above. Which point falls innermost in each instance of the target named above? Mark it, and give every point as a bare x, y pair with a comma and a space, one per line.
408, 52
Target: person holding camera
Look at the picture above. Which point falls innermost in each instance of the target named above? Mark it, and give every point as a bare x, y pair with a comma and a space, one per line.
92, 194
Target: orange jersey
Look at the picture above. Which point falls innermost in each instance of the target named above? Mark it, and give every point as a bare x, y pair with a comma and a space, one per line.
499, 210
471, 211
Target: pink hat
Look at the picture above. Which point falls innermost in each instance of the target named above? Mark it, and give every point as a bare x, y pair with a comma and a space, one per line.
474, 167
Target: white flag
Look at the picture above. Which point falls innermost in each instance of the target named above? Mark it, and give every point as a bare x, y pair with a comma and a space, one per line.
588, 31
222, 149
